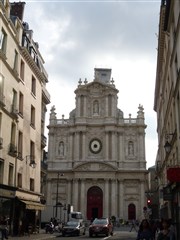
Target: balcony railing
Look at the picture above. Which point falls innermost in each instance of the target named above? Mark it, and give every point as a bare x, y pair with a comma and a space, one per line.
12, 150
1, 143
2, 100
43, 140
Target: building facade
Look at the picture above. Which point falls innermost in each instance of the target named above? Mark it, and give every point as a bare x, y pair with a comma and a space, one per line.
167, 106
96, 158
23, 100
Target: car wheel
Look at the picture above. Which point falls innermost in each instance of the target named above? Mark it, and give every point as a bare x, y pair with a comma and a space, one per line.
90, 235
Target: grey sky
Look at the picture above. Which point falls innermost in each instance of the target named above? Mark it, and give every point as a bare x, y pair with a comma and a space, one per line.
76, 36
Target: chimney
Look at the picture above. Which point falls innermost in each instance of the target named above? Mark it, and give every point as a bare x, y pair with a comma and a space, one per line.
17, 9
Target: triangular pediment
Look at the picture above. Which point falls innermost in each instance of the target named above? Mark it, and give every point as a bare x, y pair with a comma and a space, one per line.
96, 86
95, 166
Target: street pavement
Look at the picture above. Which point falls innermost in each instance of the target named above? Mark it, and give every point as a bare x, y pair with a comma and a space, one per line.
119, 233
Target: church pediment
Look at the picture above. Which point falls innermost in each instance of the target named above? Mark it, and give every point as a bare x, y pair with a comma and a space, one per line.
95, 166
97, 86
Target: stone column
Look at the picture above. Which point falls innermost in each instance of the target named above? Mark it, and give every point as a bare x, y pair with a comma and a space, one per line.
113, 198
50, 192
85, 108
69, 192
76, 146
78, 106
113, 106
75, 194
84, 146
107, 146
120, 150
106, 109
142, 197
106, 199
141, 149
83, 197
52, 146
71, 147
121, 199
114, 146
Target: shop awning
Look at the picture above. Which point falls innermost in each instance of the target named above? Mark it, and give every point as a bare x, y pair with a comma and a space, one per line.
33, 205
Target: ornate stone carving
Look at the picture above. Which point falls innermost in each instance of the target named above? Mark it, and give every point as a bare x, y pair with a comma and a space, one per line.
95, 167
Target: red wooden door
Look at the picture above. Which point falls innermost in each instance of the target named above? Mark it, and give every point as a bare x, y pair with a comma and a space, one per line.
94, 203
131, 212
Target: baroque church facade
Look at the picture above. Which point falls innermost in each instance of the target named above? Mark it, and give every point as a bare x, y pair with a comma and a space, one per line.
96, 158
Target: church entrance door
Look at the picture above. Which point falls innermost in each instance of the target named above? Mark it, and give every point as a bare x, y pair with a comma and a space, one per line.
94, 203
131, 212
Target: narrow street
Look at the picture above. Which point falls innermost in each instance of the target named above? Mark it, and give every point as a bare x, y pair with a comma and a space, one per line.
121, 233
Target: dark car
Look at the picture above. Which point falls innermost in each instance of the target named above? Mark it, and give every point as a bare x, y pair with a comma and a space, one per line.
101, 226
73, 228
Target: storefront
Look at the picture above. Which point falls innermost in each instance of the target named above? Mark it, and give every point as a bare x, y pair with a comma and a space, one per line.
7, 197
27, 217
22, 215
173, 176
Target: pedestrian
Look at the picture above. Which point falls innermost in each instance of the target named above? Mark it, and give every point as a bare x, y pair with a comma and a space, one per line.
145, 231
3, 228
133, 225
166, 233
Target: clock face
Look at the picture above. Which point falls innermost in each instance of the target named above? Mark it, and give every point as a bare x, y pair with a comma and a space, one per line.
95, 145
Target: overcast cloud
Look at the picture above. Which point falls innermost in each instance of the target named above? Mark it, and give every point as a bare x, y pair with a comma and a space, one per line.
76, 36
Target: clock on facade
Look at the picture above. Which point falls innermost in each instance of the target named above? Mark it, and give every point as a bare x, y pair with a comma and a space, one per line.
95, 145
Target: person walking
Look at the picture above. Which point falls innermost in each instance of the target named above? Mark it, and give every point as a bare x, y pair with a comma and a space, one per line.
133, 225
3, 228
145, 231
166, 233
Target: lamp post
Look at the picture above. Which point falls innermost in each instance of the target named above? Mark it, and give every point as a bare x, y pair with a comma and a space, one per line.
168, 145
57, 193
64, 209
31, 159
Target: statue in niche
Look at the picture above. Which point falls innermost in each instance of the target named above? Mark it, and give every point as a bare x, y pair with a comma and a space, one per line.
131, 148
61, 149
96, 107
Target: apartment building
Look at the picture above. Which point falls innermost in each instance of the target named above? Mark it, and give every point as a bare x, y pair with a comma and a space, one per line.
167, 107
23, 100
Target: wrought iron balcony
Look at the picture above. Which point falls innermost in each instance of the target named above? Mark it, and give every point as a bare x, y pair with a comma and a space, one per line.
43, 140
12, 150
1, 143
2, 100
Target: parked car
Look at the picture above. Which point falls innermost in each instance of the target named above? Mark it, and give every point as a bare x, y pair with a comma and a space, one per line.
101, 226
73, 228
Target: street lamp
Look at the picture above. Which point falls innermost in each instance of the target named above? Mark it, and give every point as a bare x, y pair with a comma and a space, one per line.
31, 160
64, 209
58, 204
168, 145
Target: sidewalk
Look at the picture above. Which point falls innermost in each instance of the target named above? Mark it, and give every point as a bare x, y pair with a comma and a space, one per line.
39, 236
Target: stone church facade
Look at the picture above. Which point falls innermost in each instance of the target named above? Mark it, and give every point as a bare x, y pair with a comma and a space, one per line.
96, 158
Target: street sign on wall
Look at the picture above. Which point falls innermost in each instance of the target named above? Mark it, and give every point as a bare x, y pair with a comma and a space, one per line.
167, 194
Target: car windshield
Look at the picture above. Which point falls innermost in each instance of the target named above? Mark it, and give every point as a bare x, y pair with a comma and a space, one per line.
74, 224
100, 221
